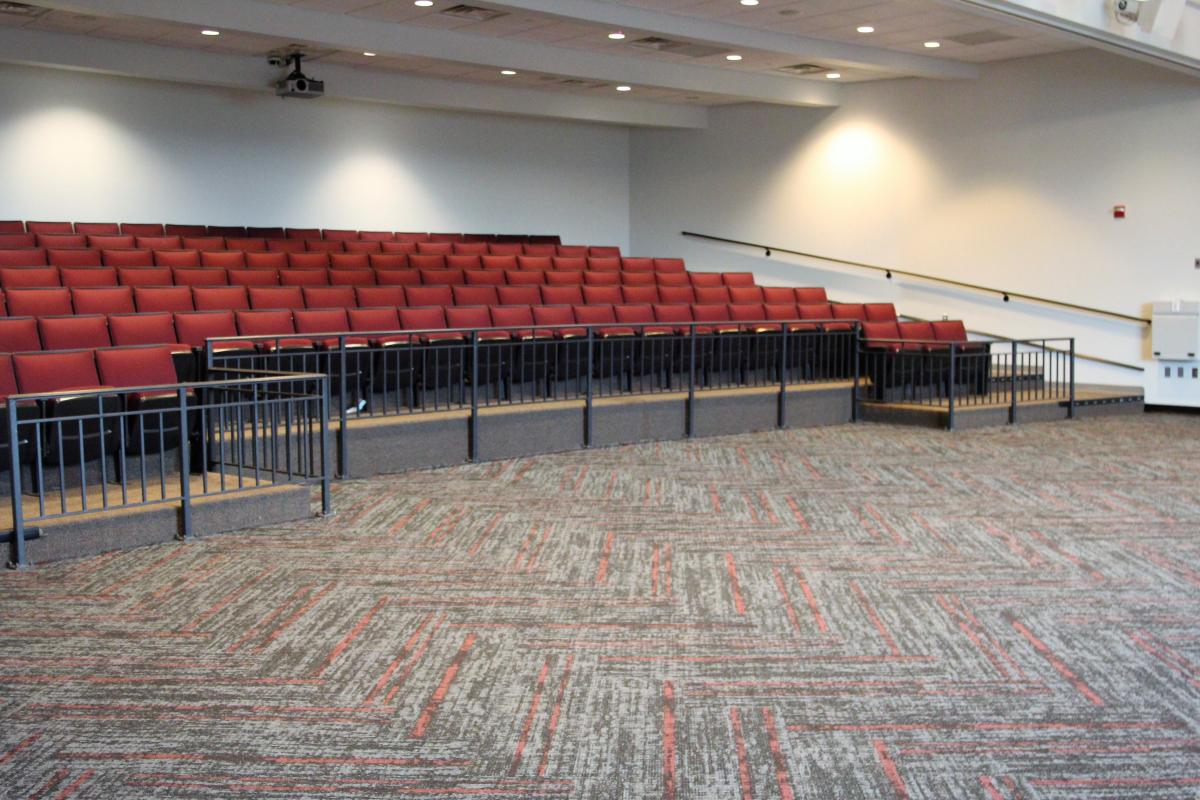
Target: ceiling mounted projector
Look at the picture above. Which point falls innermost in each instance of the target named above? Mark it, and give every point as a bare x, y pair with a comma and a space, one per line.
297, 84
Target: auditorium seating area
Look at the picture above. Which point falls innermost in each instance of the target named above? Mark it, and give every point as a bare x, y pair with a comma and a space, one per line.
67, 286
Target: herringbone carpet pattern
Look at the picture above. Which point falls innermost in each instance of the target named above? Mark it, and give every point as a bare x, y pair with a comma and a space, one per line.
852, 612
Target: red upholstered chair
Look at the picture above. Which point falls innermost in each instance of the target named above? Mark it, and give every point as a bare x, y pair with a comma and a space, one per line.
87, 276
24, 257
97, 227
881, 336
373, 296
484, 277
605, 317
184, 230
182, 259
499, 261
352, 277
19, 335
676, 294
144, 276
72, 442
246, 245
474, 296
737, 278
822, 312
506, 249
158, 242
363, 248
127, 258
339, 235
111, 242
323, 246
12, 226
602, 278
642, 316
381, 321
427, 261
142, 228
29, 277
376, 236
525, 278
535, 263
602, 295
519, 295
223, 259
518, 317
637, 265
638, 279
562, 320
564, 278
200, 277
74, 332
302, 233
809, 295
128, 330
73, 257
38, 302
435, 248
397, 277
569, 264
639, 294
49, 227
705, 279
562, 295
10, 241
398, 248
745, 294
304, 277
155, 429
210, 244
275, 261
389, 261
442, 277
325, 320
711, 294
918, 335
410, 237
220, 298
288, 246
194, 328
308, 260
673, 279
603, 264
470, 248
349, 261
429, 295
237, 231
849, 311
604, 251
276, 323
539, 249
572, 250
669, 265
880, 312
778, 294
109, 300
260, 277
329, 297
162, 298
464, 263
62, 241
274, 297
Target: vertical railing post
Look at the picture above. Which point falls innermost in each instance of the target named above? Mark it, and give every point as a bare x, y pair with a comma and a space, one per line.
588, 427
1071, 366
343, 471
690, 422
783, 368
474, 443
17, 550
326, 450
857, 345
1012, 386
953, 384
185, 472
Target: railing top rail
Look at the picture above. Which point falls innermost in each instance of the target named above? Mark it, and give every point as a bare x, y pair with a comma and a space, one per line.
890, 271
1038, 342
269, 377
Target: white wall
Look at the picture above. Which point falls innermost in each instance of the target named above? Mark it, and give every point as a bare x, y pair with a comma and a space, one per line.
88, 147
1007, 181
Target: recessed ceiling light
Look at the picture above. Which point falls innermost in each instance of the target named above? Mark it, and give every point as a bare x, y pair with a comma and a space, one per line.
865, 29
749, 2
368, 54
932, 45
508, 72
833, 76
210, 32
423, 3
624, 88
617, 35
733, 57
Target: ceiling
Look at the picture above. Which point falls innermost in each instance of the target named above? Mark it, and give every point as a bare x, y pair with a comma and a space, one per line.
673, 52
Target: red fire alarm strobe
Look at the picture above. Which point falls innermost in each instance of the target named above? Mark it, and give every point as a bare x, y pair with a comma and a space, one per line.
1119, 212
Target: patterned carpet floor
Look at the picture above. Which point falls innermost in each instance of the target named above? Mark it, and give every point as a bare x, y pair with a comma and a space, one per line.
851, 612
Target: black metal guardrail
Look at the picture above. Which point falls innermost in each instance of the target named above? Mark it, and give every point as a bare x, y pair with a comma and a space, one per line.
1006, 294
83, 451
955, 376
393, 373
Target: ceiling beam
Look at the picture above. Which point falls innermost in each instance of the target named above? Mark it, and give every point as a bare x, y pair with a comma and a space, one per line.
183, 65
804, 48
344, 32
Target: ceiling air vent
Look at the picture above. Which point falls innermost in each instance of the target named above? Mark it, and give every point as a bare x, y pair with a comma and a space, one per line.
690, 49
473, 13
21, 10
802, 69
980, 37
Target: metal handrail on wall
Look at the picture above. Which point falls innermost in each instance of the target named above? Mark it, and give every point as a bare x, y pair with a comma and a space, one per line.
250, 430
1006, 294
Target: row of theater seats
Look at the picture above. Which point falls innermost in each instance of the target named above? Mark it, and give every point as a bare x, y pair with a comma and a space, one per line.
183, 331
49, 277
131, 299
16, 227
67, 244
